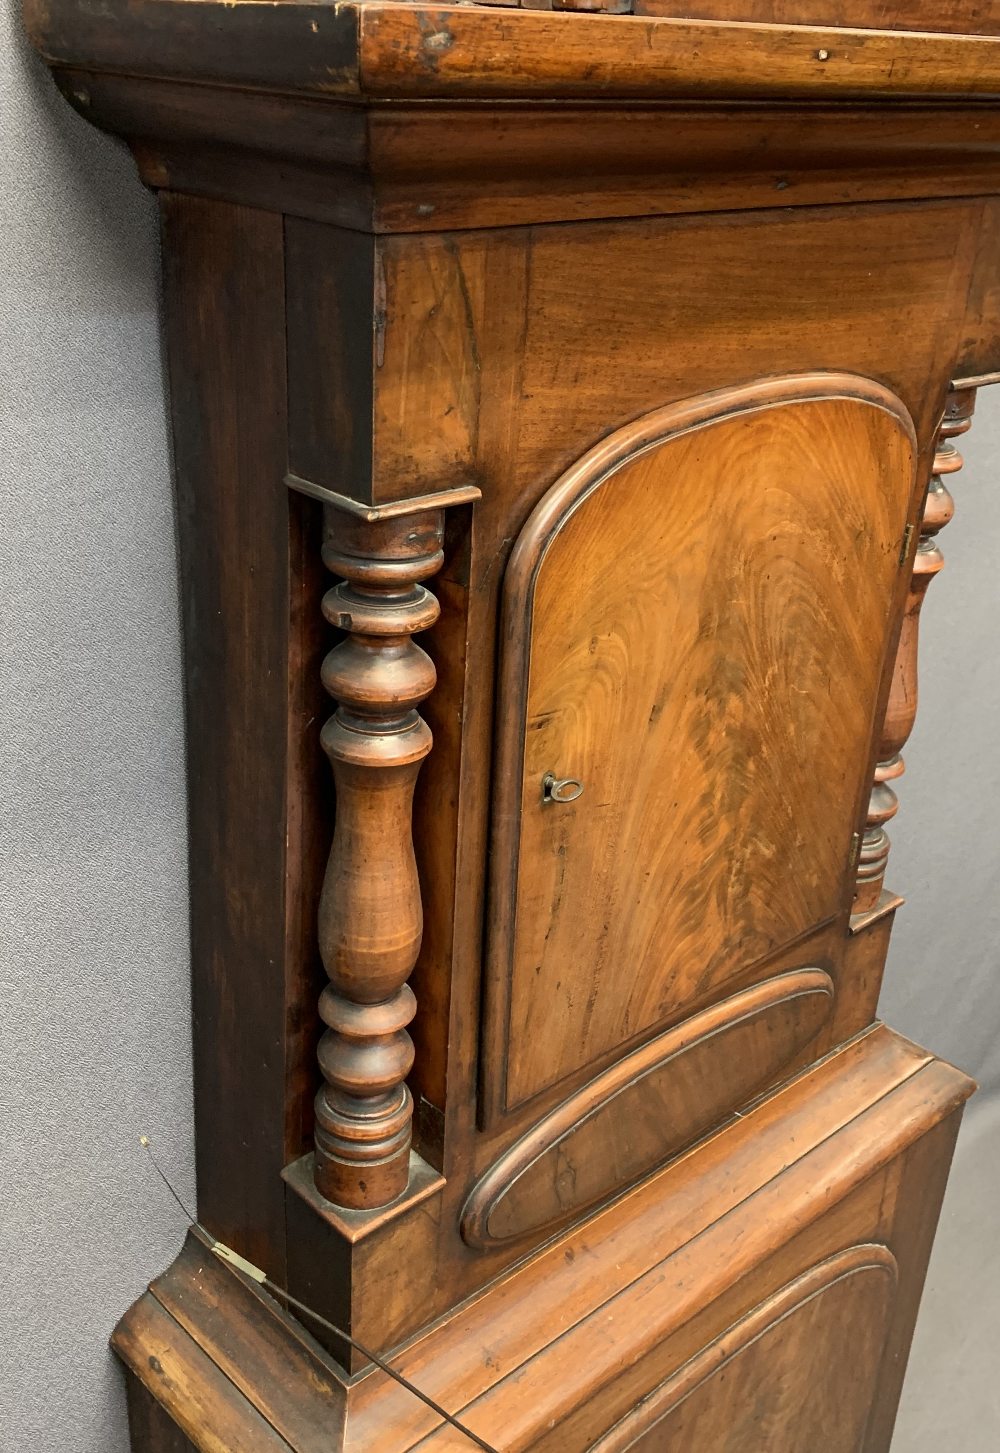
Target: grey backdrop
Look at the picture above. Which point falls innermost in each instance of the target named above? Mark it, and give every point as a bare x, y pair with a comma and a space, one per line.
94, 1002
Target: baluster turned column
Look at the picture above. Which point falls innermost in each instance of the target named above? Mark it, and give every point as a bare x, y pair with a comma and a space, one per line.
370, 917
901, 710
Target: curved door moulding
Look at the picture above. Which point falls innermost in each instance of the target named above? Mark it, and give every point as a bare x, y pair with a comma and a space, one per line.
647, 1107
695, 622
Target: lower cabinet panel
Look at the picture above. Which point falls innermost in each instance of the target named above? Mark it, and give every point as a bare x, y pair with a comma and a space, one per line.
755, 1296
796, 1375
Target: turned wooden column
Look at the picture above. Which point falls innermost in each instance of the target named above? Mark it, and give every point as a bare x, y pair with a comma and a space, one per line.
370, 917
901, 709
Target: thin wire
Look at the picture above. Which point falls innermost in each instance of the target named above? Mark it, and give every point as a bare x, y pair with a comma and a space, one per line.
144, 1142
378, 1361
232, 1258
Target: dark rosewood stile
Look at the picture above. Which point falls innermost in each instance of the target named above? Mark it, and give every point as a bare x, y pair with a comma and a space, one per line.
567, 392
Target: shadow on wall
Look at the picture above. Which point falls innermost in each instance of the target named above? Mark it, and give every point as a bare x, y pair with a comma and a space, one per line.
94, 1001
942, 984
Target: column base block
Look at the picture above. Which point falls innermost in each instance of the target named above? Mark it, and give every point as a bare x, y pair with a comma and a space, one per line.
354, 1226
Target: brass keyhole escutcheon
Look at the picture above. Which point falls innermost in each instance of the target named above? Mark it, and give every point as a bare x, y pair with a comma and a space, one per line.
560, 789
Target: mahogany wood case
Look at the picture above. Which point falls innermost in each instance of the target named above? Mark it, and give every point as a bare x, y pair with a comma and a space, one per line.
563, 409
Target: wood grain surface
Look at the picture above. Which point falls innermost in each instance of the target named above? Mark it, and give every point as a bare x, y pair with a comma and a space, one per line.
415, 251
491, 357
405, 166
647, 1107
796, 1374
956, 17
695, 619
370, 913
553, 1357
453, 51
249, 648
358, 50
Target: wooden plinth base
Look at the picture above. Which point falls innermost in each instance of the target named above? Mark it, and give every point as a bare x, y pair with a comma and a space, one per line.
757, 1293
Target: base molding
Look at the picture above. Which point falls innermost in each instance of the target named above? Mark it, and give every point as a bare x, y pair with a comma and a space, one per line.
657, 1291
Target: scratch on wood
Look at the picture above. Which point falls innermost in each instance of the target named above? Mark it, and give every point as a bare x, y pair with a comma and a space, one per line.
380, 308
467, 307
434, 42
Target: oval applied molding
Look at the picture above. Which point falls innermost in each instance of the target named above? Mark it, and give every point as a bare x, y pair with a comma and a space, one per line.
647, 1107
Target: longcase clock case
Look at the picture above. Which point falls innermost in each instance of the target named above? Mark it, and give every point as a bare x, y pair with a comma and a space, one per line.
563, 409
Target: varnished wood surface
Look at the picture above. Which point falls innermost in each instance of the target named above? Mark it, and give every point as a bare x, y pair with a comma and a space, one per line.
957, 17
919, 1193
196, 1394
673, 611
794, 1375
404, 166
469, 51
367, 291
647, 1106
550, 1387
503, 356
254, 958
400, 49
671, 1267
370, 913
151, 1429
247, 1337
532, 343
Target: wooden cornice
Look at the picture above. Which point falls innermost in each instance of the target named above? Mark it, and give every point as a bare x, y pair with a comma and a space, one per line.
341, 113
384, 49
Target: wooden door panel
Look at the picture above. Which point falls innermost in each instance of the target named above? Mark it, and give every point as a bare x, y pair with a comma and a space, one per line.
695, 618
795, 1375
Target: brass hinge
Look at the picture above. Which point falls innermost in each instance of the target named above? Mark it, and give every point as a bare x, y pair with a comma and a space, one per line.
852, 862
904, 548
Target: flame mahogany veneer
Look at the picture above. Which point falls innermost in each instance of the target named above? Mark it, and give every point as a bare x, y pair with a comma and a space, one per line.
563, 406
